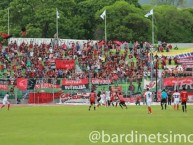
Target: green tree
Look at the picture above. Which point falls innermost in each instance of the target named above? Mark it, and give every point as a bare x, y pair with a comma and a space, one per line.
125, 22
174, 25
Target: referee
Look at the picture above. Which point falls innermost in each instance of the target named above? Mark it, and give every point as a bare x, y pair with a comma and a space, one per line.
164, 97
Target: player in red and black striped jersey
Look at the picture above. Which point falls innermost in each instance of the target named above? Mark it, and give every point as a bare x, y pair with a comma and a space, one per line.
92, 98
122, 101
184, 99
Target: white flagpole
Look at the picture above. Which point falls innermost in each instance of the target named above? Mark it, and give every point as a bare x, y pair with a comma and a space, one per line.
105, 26
152, 30
57, 24
8, 20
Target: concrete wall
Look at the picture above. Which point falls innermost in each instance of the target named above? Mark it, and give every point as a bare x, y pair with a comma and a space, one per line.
182, 45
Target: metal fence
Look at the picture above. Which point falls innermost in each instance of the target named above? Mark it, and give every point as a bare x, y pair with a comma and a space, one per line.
57, 87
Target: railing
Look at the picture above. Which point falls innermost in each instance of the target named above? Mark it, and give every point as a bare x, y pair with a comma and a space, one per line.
21, 88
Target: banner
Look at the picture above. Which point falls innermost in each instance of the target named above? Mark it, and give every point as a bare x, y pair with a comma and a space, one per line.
101, 81
116, 88
186, 55
47, 83
173, 82
150, 84
43, 97
75, 84
186, 61
4, 84
22, 83
65, 64
178, 83
31, 83
187, 66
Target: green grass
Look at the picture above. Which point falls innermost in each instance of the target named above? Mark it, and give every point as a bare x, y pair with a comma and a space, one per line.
71, 125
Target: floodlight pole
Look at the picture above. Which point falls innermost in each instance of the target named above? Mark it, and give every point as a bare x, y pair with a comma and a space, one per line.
156, 76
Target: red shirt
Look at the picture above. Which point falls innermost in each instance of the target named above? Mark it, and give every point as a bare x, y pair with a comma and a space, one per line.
184, 96
121, 98
112, 97
92, 97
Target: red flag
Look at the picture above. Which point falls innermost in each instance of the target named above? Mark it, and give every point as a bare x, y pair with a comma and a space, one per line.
22, 83
100, 43
65, 64
5, 35
117, 42
23, 32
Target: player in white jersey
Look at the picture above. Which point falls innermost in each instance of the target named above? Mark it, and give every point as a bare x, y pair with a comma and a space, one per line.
148, 96
5, 101
176, 97
108, 97
103, 98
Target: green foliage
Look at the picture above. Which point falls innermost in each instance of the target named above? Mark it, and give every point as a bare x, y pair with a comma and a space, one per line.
174, 25
80, 19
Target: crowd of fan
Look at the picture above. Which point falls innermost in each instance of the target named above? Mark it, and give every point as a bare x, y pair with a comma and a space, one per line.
129, 62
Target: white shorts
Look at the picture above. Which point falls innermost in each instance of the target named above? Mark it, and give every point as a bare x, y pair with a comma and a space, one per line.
5, 102
149, 103
102, 101
176, 101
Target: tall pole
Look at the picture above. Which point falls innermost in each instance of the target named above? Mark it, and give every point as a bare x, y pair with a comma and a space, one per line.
90, 82
156, 76
151, 64
106, 27
53, 86
152, 31
8, 20
57, 23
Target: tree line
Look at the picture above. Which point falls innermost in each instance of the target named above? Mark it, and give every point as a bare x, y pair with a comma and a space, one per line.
80, 19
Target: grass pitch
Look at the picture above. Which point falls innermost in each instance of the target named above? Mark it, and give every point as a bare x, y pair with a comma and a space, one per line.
71, 125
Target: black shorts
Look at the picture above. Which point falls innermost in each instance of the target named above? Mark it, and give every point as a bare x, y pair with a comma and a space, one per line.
122, 103
92, 103
163, 101
98, 100
184, 103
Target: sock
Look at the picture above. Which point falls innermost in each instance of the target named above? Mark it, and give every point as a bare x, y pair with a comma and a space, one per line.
126, 106
178, 107
8, 106
165, 106
94, 108
89, 108
150, 109
183, 108
162, 106
174, 106
2, 106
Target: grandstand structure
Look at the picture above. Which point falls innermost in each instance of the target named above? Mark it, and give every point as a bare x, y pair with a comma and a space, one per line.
44, 70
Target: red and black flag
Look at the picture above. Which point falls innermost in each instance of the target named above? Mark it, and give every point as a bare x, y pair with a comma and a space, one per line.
22, 83
23, 32
5, 35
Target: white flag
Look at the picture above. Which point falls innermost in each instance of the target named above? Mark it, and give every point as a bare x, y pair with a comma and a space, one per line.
149, 84
149, 13
103, 15
57, 14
